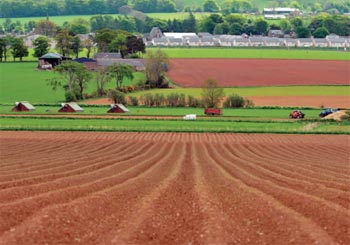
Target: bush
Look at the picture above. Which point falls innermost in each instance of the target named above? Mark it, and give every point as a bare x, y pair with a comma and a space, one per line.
134, 100
234, 101
159, 99
116, 96
193, 102
148, 99
70, 96
248, 102
176, 100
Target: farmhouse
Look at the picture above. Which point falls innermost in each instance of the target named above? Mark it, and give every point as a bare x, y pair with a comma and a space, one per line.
23, 106
257, 41
107, 59
118, 108
275, 33
70, 107
241, 42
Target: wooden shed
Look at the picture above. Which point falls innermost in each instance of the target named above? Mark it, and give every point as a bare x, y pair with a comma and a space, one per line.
23, 106
118, 108
70, 107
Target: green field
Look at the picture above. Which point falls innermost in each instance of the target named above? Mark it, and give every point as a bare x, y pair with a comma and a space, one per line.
21, 81
262, 53
60, 20
142, 125
237, 113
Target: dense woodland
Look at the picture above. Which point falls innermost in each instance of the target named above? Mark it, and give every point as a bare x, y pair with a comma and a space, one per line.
31, 8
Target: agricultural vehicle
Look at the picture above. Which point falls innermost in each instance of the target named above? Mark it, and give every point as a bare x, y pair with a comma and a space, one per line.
212, 111
297, 114
327, 111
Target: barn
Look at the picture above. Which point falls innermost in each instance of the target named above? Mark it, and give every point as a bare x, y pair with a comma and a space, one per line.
23, 106
70, 107
118, 108
52, 59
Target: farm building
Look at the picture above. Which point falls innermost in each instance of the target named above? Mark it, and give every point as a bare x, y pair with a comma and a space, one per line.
53, 59
23, 106
118, 108
70, 107
90, 64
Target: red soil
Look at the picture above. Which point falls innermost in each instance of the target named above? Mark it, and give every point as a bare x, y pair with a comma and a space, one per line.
165, 188
257, 72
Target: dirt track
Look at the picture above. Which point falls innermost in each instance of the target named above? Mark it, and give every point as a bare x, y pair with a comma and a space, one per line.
257, 72
139, 188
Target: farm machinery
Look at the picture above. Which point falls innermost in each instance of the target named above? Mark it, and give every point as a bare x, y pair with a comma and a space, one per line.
296, 114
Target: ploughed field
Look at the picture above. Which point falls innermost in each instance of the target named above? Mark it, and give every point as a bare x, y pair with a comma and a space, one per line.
257, 72
173, 188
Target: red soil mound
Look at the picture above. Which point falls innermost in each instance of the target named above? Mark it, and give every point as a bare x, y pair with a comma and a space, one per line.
166, 188
258, 72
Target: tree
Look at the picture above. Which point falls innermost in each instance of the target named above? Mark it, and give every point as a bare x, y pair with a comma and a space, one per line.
2, 48
157, 63
236, 29
103, 38
320, 32
76, 46
211, 6
118, 45
296, 22
135, 45
19, 50
41, 46
45, 27
64, 42
102, 78
212, 94
261, 26
119, 72
79, 26
189, 24
88, 44
5, 43
68, 75
82, 79
303, 32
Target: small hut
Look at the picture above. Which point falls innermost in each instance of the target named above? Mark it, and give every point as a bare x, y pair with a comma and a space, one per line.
52, 59
70, 107
23, 106
118, 108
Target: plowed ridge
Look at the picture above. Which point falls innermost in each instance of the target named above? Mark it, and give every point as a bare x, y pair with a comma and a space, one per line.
166, 188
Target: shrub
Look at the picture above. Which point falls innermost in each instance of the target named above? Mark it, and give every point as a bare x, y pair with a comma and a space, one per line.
134, 100
116, 96
248, 102
176, 100
158, 99
193, 102
148, 99
234, 101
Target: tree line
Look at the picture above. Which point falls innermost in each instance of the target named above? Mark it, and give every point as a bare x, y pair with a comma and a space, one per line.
234, 24
32, 8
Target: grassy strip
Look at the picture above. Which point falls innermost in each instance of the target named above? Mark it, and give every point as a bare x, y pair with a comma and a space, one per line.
166, 111
257, 53
169, 126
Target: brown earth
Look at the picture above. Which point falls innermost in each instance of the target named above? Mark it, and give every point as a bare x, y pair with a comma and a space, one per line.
312, 101
173, 188
257, 72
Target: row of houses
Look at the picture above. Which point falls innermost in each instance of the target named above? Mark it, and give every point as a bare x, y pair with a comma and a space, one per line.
239, 41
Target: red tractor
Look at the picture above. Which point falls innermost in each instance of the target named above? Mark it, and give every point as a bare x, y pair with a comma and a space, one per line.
297, 114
